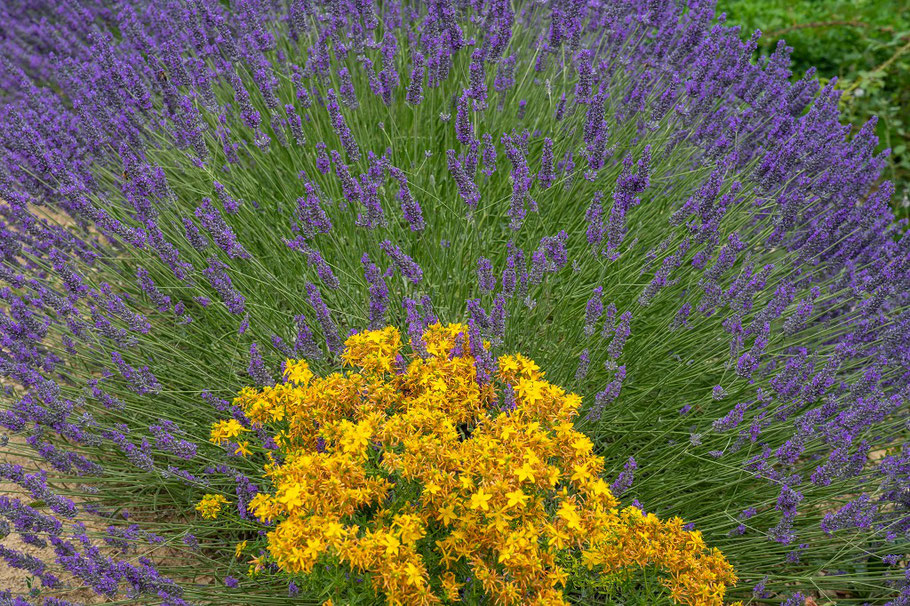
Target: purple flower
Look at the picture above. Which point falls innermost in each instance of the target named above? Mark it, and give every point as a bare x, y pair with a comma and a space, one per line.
329, 328
305, 344
467, 189
485, 277
341, 127
410, 208
415, 89
546, 176
314, 258
323, 163
216, 272
521, 181
221, 233
624, 481
620, 334
159, 299
140, 380
584, 363
349, 185
607, 396
167, 438
405, 264
593, 311
379, 293
257, 369
464, 132
311, 218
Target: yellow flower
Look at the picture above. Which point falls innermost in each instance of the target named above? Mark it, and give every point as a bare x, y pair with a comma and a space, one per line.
580, 473
525, 472
222, 431
447, 514
391, 543
239, 548
210, 505
529, 391
451, 586
298, 371
314, 547
480, 500
368, 460
508, 365
414, 574
334, 530
292, 497
568, 513
445, 555
516, 497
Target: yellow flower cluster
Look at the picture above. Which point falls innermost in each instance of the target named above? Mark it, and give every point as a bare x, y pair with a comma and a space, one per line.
454, 481
210, 505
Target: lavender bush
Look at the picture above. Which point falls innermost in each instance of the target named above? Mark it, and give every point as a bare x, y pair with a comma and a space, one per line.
676, 230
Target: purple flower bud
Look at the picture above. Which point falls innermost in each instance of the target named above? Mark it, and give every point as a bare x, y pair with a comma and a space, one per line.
314, 258
166, 434
231, 204
624, 481
485, 277
323, 163
593, 311
349, 185
257, 369
140, 380
464, 131
584, 364
217, 275
606, 397
324, 316
477, 79
483, 359
305, 344
159, 299
410, 208
341, 128
379, 293
221, 233
405, 264
488, 155
546, 176
467, 189
415, 88
311, 218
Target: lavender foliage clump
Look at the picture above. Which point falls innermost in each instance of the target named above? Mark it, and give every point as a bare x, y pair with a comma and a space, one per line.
177, 178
